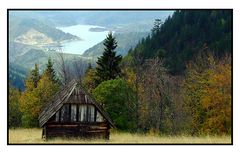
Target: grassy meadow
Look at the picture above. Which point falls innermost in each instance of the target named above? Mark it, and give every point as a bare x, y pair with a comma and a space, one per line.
33, 136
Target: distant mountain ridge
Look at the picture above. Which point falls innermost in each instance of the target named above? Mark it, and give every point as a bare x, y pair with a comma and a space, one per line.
101, 17
19, 26
31, 31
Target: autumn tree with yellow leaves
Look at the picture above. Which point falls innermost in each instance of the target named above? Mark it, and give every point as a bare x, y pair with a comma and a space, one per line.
36, 95
207, 93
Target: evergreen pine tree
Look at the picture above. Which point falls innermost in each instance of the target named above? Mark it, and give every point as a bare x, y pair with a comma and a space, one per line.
50, 71
157, 26
108, 64
33, 78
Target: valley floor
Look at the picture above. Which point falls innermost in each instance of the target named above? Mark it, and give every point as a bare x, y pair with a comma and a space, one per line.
33, 136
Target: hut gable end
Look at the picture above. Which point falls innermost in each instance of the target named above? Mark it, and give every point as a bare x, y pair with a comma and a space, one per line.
80, 101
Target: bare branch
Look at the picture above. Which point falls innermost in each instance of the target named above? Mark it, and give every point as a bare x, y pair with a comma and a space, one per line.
63, 70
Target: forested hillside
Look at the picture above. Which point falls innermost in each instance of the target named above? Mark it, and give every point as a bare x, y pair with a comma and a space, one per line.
17, 75
186, 34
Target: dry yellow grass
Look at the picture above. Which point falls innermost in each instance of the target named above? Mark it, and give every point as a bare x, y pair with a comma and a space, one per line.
33, 136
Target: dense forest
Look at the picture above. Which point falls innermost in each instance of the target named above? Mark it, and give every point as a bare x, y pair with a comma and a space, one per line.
177, 80
186, 34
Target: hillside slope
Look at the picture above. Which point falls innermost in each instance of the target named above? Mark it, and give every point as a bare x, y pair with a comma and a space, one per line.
18, 26
125, 42
186, 34
17, 75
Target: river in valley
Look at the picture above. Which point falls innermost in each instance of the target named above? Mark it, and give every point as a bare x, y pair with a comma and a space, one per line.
88, 38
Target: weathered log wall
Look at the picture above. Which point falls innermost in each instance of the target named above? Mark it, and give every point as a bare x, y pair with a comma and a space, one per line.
83, 130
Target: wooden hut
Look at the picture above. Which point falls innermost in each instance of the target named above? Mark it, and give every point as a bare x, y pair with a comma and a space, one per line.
74, 112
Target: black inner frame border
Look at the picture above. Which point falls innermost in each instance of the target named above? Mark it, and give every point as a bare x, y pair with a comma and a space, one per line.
116, 9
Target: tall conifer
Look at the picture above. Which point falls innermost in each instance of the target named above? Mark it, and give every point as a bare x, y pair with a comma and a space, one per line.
108, 64
33, 78
50, 71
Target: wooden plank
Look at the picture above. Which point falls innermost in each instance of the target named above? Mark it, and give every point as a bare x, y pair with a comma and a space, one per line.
95, 114
62, 126
83, 123
77, 114
96, 131
98, 127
